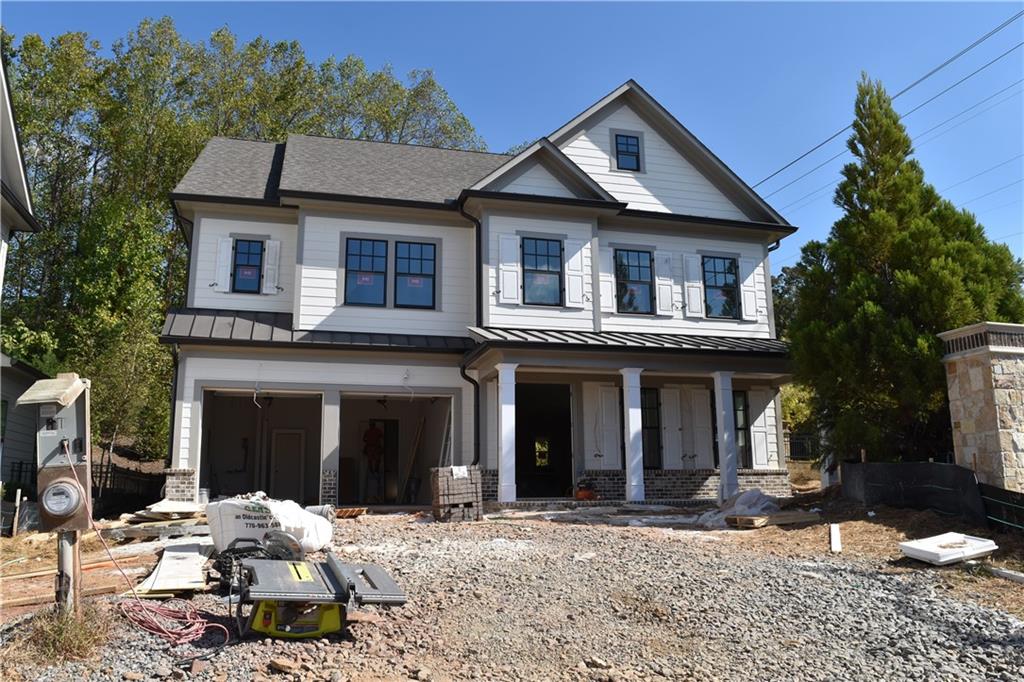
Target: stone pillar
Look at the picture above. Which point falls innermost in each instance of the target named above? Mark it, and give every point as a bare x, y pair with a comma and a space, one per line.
728, 483
506, 431
181, 485
632, 434
330, 447
985, 380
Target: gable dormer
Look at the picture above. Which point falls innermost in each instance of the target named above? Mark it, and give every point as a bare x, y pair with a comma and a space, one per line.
642, 156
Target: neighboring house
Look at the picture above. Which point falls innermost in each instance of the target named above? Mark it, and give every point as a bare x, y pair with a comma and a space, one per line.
15, 199
17, 425
596, 307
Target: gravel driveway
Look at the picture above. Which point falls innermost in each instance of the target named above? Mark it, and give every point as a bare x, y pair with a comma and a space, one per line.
533, 599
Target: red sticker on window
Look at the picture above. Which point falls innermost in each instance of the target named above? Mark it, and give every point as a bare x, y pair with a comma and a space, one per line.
415, 281
365, 280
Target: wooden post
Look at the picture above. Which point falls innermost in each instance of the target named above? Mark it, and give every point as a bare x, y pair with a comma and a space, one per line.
69, 571
17, 512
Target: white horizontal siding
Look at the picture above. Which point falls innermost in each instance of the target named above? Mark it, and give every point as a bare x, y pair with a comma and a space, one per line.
321, 304
312, 375
677, 323
538, 180
207, 232
538, 317
669, 182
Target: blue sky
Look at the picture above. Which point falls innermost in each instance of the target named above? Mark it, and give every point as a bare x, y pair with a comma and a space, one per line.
758, 83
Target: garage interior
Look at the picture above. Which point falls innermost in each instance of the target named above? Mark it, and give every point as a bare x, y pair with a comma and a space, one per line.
264, 441
389, 444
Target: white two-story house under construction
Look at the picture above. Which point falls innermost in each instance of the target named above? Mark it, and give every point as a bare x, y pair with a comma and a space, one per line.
595, 308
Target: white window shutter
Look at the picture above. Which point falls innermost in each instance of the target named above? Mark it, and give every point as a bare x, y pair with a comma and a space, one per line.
664, 282
703, 435
758, 401
223, 272
606, 256
671, 429
748, 289
574, 278
508, 269
271, 265
611, 429
693, 272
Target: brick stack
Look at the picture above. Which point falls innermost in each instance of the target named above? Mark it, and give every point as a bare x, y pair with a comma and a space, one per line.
457, 499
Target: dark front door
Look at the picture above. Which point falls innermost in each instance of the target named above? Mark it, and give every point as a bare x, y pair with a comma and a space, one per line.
543, 440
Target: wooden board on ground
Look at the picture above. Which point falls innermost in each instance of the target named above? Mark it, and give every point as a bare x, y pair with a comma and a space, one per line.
784, 518
159, 530
180, 568
350, 512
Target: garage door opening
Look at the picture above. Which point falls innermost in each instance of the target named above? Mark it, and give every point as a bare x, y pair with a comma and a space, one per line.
389, 444
268, 442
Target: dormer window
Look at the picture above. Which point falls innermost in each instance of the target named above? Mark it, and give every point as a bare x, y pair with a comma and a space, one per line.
627, 152
247, 272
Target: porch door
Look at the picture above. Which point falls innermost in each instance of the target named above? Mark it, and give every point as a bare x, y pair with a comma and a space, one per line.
543, 440
287, 464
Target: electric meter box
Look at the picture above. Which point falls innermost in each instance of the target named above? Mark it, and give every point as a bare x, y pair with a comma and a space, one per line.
64, 477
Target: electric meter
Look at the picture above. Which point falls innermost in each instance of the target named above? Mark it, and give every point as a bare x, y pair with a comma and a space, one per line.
62, 498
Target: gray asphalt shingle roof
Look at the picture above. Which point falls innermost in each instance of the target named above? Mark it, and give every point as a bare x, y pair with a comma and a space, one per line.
242, 169
247, 169
382, 170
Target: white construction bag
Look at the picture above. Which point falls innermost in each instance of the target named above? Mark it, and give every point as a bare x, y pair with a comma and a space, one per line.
251, 516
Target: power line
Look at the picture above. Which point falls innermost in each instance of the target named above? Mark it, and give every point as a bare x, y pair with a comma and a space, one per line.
978, 175
966, 120
938, 68
996, 208
813, 191
982, 196
913, 139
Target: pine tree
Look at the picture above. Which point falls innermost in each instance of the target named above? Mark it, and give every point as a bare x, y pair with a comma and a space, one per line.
901, 265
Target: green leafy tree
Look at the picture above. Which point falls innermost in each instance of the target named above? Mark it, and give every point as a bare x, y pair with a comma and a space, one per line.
106, 138
901, 265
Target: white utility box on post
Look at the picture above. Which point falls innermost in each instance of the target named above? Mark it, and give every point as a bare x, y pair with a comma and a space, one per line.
64, 476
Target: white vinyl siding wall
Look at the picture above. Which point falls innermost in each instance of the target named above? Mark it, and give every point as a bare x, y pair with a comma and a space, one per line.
321, 301
207, 233
303, 374
535, 316
668, 183
20, 434
538, 180
681, 321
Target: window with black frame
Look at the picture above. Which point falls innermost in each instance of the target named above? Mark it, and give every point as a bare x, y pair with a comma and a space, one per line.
721, 287
650, 424
542, 271
366, 268
627, 152
247, 268
634, 291
415, 266
741, 418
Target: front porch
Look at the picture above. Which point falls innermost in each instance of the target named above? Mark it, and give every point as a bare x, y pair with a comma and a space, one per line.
656, 423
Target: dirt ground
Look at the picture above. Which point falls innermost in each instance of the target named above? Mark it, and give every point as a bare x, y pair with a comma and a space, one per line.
519, 597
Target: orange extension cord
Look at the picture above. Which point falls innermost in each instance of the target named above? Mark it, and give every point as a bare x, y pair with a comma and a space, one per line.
153, 617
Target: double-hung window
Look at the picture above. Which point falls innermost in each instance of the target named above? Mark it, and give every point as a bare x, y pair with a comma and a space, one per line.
247, 266
366, 268
634, 288
414, 274
650, 425
721, 287
542, 271
627, 152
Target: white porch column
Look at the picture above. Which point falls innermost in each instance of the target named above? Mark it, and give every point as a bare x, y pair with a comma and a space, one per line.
506, 431
632, 433
728, 480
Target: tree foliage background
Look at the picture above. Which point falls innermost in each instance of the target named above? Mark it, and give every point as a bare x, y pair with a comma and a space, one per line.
863, 308
107, 134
